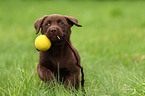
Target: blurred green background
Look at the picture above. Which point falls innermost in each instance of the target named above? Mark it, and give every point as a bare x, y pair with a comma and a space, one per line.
111, 45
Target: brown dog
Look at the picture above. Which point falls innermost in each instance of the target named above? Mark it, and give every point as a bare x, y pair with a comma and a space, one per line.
59, 62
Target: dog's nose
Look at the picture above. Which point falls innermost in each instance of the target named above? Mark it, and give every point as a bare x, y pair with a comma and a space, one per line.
53, 30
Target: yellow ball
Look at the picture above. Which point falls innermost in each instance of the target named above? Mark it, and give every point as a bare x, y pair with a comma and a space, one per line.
42, 43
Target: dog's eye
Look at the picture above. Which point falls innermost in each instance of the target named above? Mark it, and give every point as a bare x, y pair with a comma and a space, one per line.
48, 24
61, 23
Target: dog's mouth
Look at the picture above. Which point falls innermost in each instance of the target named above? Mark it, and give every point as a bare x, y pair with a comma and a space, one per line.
55, 37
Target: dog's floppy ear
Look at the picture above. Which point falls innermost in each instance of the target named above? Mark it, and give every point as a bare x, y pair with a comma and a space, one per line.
72, 21
38, 23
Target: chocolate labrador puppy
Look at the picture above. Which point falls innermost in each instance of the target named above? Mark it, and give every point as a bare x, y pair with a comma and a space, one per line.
59, 63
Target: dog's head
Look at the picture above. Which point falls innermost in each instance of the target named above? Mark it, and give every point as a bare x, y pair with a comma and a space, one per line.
55, 25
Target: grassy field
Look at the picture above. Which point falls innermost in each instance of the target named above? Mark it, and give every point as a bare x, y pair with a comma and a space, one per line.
111, 44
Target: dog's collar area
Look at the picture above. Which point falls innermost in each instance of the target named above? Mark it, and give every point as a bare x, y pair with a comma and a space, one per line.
58, 43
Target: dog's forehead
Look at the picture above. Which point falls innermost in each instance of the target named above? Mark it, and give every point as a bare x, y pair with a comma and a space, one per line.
55, 17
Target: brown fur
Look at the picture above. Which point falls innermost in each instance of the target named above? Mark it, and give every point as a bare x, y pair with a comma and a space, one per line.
59, 62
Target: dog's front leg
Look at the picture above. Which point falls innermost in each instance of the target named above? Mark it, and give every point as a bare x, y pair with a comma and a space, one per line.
72, 81
45, 74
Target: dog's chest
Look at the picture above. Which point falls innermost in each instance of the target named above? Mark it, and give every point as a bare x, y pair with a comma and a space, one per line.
55, 61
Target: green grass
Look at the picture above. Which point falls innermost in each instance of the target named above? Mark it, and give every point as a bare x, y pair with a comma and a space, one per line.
111, 44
